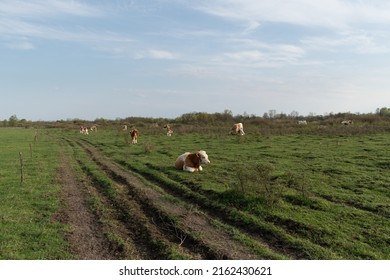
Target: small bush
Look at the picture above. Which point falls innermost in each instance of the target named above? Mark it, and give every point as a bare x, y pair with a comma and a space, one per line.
257, 180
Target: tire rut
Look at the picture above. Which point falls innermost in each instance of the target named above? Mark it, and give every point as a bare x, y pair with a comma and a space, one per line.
183, 222
86, 242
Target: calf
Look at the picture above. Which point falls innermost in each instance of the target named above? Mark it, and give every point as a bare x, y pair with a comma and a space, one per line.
191, 161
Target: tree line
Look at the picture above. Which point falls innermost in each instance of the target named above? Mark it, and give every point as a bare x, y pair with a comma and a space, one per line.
226, 116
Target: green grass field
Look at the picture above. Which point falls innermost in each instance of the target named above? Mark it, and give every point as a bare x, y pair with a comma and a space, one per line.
28, 230
310, 196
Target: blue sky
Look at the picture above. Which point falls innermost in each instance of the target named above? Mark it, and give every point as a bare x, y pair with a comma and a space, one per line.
64, 59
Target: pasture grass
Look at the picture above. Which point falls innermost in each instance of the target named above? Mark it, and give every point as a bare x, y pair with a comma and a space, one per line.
28, 228
324, 195
327, 192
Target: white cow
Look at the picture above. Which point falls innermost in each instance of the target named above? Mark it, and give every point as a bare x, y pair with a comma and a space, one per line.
237, 128
192, 161
347, 122
304, 122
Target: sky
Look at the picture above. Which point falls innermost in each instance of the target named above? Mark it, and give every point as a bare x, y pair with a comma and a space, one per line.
89, 59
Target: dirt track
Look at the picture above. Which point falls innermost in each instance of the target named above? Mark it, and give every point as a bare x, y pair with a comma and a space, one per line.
146, 224
85, 239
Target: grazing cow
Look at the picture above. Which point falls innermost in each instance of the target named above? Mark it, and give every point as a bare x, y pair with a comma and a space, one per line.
93, 128
237, 128
134, 136
83, 130
191, 161
304, 122
169, 130
347, 122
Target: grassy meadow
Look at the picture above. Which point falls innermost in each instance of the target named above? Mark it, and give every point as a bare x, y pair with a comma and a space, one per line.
27, 227
307, 195
327, 195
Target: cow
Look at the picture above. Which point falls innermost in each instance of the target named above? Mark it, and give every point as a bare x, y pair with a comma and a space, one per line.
93, 128
304, 122
124, 127
237, 128
134, 136
169, 130
347, 122
83, 130
191, 162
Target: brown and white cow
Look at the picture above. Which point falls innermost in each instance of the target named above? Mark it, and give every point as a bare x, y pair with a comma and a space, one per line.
192, 161
83, 130
237, 128
169, 130
134, 136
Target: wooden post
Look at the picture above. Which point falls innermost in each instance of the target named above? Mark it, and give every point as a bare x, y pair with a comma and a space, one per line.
30, 151
21, 167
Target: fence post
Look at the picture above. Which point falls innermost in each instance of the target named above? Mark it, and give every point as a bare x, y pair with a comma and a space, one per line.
21, 167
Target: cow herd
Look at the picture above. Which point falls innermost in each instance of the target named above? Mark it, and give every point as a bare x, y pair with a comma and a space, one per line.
190, 162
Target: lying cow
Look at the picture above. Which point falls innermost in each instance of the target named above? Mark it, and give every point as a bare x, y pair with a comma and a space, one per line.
237, 128
347, 122
191, 161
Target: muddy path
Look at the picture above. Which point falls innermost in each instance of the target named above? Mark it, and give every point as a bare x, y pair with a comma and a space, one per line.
149, 223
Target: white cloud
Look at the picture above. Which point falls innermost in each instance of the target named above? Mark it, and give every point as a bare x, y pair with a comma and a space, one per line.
355, 41
252, 26
155, 54
53, 8
161, 54
42, 20
20, 45
265, 55
324, 13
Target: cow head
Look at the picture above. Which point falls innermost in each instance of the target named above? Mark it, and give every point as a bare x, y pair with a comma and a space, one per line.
203, 157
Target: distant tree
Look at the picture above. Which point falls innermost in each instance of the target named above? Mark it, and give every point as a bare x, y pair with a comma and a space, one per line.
272, 113
13, 121
383, 111
294, 114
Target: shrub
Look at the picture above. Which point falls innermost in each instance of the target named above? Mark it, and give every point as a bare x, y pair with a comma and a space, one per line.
258, 181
